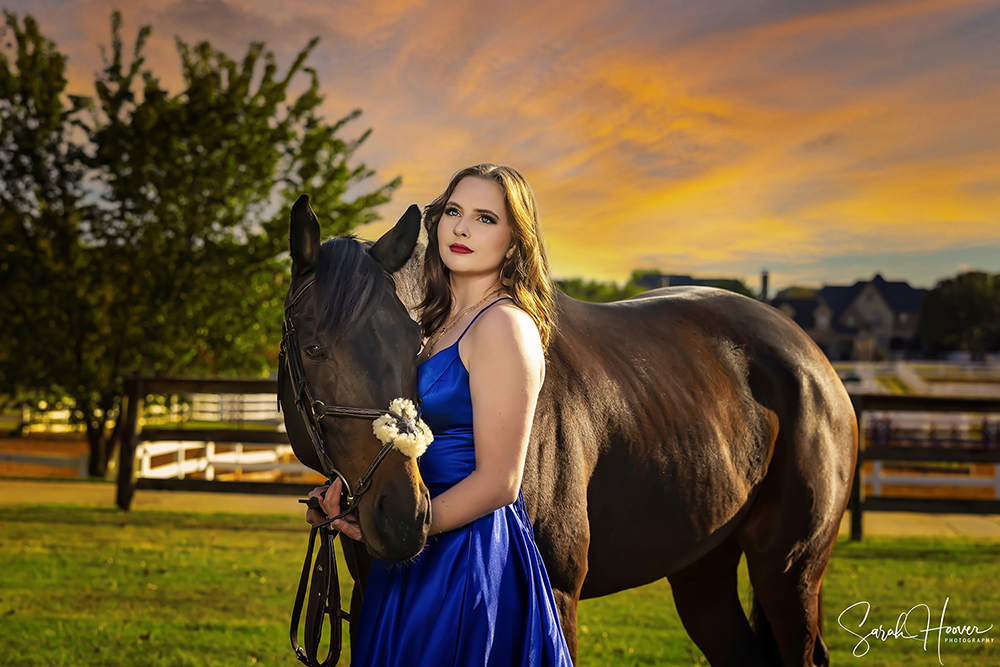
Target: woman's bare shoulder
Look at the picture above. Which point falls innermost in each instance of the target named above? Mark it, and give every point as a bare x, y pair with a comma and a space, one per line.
507, 332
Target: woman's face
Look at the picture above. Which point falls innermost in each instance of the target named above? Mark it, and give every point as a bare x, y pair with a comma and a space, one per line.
474, 234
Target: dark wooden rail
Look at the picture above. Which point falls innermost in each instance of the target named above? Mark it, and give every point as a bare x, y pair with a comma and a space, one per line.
137, 388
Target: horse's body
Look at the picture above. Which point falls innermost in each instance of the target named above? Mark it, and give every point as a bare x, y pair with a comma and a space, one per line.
675, 431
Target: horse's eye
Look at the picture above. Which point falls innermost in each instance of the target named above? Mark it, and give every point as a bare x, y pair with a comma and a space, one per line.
314, 351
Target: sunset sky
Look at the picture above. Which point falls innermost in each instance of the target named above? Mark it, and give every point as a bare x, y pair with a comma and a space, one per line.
824, 141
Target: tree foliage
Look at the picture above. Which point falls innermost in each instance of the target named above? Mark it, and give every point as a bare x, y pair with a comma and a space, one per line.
963, 313
596, 291
604, 292
41, 215
734, 285
796, 292
144, 231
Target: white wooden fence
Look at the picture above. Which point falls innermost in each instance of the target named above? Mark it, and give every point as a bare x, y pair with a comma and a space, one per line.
174, 460
879, 478
947, 430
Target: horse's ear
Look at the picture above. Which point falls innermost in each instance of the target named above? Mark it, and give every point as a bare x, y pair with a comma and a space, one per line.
303, 236
397, 244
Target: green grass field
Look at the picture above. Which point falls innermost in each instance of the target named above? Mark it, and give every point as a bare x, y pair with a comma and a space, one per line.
83, 586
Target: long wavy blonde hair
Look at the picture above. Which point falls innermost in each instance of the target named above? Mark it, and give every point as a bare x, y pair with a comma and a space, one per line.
525, 273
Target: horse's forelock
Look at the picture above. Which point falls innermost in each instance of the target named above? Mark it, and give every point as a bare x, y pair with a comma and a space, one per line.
348, 281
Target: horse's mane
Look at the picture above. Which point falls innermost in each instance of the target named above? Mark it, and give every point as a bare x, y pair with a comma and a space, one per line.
348, 280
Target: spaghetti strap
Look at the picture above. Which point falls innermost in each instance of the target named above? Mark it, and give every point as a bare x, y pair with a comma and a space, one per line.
480, 313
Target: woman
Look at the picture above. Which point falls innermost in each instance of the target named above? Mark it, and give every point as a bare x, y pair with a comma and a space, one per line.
478, 594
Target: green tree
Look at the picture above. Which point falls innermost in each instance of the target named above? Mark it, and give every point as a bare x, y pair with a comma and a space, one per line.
596, 291
601, 292
731, 284
796, 292
44, 270
169, 256
638, 274
962, 313
734, 285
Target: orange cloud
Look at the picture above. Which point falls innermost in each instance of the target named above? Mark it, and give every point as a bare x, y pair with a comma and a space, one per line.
690, 136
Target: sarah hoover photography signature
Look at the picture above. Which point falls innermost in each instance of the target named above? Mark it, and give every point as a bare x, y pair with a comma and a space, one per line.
919, 629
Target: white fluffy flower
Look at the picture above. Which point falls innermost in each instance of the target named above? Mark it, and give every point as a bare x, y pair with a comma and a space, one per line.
412, 443
403, 406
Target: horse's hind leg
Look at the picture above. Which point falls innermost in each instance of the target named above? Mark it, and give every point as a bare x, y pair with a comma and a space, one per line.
787, 538
790, 602
708, 602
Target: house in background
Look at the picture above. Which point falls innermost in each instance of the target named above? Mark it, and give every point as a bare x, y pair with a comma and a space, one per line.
656, 280
869, 320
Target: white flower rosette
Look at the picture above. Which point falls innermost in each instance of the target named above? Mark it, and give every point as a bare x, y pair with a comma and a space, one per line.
414, 440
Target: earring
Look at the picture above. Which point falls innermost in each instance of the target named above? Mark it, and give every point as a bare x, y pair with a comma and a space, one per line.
506, 280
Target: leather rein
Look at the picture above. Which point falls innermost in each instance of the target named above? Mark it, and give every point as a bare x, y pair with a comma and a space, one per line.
324, 594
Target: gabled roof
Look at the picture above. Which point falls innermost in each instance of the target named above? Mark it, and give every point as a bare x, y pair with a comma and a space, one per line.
804, 310
839, 297
898, 294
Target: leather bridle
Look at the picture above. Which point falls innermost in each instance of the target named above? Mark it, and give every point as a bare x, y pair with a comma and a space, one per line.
313, 410
324, 595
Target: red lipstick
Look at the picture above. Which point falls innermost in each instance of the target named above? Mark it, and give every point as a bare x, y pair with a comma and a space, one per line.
459, 248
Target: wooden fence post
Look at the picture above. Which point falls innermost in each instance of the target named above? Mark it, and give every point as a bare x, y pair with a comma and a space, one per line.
857, 487
133, 397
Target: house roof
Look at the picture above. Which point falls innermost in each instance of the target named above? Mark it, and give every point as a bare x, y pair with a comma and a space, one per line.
804, 310
839, 297
898, 294
653, 280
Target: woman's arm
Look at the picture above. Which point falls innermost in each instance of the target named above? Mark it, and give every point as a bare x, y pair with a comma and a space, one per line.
506, 363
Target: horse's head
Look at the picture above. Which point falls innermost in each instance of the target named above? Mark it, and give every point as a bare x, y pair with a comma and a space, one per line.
357, 344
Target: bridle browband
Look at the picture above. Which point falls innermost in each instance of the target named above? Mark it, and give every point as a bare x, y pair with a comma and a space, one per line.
326, 585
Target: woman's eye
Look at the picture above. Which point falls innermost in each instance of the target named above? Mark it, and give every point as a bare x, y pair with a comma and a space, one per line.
314, 351
452, 211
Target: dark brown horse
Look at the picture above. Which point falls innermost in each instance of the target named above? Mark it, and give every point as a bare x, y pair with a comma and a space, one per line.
675, 431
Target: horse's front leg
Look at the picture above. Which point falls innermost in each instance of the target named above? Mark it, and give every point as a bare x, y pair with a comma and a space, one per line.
564, 545
566, 603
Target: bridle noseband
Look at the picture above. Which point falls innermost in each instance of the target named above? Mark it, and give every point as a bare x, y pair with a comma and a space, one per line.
324, 594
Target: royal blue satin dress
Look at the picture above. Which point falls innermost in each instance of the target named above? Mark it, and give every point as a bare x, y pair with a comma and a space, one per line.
476, 595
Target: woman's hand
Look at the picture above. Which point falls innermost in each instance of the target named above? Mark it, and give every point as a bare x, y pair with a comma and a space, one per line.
330, 502
315, 516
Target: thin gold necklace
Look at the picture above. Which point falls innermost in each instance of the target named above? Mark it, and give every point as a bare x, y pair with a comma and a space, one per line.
446, 328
